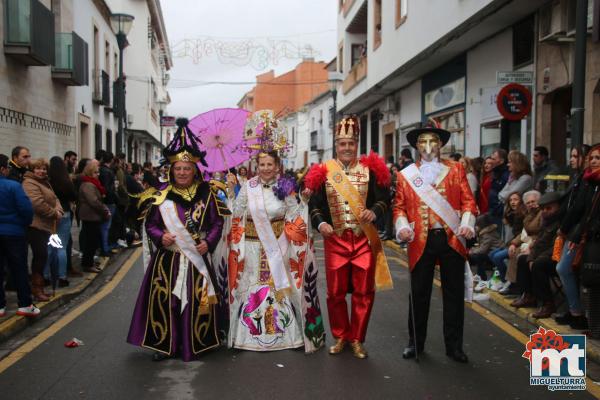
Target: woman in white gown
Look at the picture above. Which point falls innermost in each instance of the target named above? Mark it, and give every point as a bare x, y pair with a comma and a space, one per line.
272, 278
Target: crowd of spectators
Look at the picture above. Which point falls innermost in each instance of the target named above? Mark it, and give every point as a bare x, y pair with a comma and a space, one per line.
42, 200
537, 230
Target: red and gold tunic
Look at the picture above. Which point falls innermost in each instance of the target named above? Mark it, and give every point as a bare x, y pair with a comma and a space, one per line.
408, 207
341, 215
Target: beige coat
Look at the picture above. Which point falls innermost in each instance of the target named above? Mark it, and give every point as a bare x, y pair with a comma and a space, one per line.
532, 223
46, 206
90, 207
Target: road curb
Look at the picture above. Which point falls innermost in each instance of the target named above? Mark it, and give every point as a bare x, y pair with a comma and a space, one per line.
593, 347
14, 324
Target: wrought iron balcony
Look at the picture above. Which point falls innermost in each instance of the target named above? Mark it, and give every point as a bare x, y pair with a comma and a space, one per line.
71, 60
28, 32
101, 92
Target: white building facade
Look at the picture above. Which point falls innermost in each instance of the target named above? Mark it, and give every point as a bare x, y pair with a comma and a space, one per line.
310, 133
147, 61
406, 61
95, 119
37, 76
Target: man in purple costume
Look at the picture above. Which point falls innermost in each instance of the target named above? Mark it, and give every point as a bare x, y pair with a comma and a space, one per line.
175, 313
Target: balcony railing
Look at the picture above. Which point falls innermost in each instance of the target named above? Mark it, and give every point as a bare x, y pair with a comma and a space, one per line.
117, 108
101, 93
357, 73
71, 60
28, 32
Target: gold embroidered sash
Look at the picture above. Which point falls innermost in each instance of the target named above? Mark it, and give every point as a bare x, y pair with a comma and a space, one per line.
337, 179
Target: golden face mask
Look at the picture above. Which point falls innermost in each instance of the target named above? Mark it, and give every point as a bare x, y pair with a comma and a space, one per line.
428, 145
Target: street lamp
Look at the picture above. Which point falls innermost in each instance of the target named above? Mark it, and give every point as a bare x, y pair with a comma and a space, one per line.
121, 25
334, 80
162, 104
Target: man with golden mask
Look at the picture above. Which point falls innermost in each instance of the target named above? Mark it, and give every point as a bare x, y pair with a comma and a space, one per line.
176, 311
434, 211
348, 194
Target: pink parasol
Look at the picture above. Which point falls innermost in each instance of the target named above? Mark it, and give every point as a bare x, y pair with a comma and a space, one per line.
221, 132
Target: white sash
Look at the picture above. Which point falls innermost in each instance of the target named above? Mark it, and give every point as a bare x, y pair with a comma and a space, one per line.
433, 199
187, 245
274, 248
444, 210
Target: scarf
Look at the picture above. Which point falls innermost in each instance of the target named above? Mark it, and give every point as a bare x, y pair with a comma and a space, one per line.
591, 176
96, 183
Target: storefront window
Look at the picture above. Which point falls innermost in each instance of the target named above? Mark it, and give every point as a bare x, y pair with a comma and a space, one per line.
490, 138
454, 122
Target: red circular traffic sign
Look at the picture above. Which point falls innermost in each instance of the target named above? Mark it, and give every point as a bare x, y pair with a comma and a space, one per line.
514, 102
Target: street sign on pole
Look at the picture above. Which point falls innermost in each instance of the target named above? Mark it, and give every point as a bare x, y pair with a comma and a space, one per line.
522, 77
514, 102
167, 121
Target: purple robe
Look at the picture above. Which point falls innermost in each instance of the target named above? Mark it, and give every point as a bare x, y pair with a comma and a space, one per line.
158, 322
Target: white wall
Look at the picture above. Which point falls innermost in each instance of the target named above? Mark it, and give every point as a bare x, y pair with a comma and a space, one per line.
421, 29
86, 16
410, 104
483, 62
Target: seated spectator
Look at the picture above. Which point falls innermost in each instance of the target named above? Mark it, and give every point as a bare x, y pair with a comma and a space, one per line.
47, 214
92, 212
488, 240
520, 179
514, 213
16, 214
537, 261
519, 246
540, 267
579, 211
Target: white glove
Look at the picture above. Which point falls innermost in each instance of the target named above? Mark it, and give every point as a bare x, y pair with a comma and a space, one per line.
55, 241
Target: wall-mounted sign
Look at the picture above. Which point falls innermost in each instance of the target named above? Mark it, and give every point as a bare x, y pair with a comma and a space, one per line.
446, 96
514, 102
522, 77
167, 121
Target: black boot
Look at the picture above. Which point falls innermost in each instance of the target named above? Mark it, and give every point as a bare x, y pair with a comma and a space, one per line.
458, 355
411, 351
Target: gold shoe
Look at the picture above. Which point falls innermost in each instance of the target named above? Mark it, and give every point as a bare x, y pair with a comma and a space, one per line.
358, 350
338, 347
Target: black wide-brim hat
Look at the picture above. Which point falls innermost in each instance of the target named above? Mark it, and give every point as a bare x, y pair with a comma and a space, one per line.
549, 198
413, 135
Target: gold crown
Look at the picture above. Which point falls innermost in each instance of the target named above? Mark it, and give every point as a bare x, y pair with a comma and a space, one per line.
348, 128
183, 156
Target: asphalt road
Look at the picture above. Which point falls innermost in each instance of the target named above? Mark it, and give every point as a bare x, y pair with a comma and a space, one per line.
106, 367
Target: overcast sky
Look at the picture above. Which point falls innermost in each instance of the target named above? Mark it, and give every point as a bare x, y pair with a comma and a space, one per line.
229, 24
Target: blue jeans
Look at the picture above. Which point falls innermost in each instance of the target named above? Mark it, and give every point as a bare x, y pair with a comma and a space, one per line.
59, 256
498, 257
568, 278
105, 227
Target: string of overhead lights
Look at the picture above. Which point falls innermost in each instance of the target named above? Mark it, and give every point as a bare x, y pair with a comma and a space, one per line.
258, 53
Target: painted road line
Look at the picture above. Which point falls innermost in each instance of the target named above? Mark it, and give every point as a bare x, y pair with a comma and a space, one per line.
28, 347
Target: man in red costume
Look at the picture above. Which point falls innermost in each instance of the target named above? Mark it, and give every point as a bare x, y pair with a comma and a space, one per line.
434, 211
348, 195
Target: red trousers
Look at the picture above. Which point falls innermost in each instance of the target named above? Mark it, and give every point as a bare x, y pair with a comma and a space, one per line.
349, 264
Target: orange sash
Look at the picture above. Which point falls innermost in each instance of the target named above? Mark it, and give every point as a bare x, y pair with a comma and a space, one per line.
338, 179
